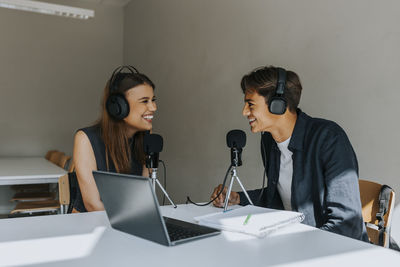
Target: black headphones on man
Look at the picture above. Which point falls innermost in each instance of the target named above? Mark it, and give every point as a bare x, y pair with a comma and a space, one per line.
117, 106
277, 104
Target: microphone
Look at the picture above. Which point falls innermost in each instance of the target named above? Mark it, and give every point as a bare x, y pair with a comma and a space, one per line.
152, 146
236, 140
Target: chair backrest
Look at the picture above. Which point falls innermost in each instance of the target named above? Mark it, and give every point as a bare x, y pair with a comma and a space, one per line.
59, 158
49, 154
63, 161
56, 156
369, 194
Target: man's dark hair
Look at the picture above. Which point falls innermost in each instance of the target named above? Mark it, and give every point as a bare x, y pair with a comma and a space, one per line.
263, 81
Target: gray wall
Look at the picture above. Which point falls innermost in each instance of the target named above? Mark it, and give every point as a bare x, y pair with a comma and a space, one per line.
346, 53
52, 74
53, 69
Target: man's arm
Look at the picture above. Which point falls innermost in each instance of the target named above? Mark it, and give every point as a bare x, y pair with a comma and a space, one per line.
342, 196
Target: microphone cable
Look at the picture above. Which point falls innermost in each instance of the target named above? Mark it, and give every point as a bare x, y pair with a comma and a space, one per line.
165, 180
188, 200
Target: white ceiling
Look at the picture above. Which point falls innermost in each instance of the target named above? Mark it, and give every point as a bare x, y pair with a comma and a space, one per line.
109, 2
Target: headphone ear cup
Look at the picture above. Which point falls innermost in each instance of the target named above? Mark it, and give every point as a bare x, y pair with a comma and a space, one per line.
277, 105
117, 106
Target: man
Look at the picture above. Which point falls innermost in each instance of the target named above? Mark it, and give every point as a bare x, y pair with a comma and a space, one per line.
310, 163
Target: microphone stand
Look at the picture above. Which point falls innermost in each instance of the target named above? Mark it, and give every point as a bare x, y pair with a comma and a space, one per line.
151, 165
236, 162
155, 180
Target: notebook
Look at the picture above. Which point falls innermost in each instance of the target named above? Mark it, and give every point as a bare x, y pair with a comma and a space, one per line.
132, 207
252, 220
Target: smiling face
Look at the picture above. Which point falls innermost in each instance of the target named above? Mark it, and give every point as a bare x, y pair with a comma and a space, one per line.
142, 106
256, 110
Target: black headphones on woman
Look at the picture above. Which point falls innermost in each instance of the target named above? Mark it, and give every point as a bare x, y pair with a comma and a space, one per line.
117, 106
277, 104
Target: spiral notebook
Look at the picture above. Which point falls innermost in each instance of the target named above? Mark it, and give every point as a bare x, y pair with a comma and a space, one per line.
252, 220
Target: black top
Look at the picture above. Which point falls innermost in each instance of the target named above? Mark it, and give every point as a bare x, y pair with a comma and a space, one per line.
94, 135
99, 149
325, 177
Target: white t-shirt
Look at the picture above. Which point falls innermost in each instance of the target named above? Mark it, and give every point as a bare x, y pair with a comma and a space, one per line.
285, 174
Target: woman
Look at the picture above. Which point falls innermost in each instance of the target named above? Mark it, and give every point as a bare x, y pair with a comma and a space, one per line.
115, 142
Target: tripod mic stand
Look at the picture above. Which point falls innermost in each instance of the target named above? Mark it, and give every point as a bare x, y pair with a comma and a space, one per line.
155, 181
234, 176
235, 139
152, 145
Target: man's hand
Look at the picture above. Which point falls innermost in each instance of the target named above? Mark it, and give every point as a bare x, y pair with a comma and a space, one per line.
234, 198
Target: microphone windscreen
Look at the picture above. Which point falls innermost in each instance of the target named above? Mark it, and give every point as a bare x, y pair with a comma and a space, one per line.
236, 138
152, 143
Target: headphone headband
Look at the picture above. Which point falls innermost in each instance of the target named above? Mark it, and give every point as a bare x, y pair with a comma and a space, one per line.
281, 83
119, 70
117, 106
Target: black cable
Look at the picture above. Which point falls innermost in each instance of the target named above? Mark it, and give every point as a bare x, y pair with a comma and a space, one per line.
188, 200
165, 180
265, 169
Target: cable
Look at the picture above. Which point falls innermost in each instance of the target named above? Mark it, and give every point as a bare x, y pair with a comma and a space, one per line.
188, 200
265, 169
165, 180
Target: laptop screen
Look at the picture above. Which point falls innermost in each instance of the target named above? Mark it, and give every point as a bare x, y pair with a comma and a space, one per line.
131, 205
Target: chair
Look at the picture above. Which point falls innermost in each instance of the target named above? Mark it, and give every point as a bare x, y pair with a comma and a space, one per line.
64, 193
49, 154
47, 206
59, 158
369, 193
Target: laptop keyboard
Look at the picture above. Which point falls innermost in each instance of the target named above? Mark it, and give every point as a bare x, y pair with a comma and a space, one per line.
178, 230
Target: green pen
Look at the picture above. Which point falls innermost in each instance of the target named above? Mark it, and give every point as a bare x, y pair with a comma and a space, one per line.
247, 219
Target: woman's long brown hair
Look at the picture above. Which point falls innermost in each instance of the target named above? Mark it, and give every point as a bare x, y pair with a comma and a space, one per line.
113, 132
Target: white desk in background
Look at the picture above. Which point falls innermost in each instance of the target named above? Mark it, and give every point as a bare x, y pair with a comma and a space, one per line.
28, 170
87, 240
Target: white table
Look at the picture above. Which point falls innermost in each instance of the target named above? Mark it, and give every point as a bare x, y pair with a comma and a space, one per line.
88, 240
28, 170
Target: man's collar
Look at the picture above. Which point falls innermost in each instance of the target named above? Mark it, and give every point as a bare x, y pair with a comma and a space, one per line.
297, 138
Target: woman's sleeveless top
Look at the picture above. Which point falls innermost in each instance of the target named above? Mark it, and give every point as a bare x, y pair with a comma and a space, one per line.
94, 135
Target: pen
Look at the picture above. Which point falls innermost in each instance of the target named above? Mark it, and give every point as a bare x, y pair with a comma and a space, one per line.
247, 219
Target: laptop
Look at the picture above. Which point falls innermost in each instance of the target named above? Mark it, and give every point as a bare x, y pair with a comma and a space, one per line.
132, 207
